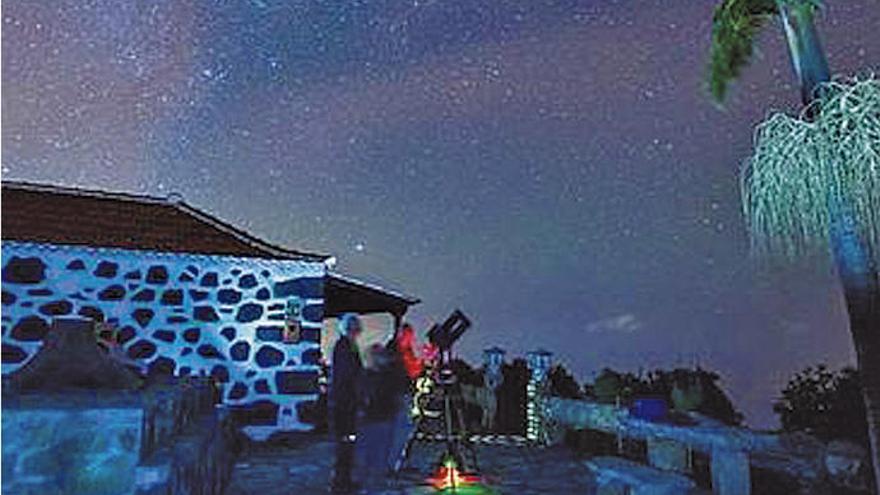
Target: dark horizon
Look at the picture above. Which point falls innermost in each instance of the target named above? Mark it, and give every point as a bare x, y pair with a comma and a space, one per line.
555, 171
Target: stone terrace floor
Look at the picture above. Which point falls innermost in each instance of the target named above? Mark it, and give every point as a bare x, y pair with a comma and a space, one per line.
303, 465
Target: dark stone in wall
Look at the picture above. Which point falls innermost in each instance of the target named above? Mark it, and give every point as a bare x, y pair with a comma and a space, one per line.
133, 275
174, 319
227, 311
173, 297
262, 412
240, 351
76, 265
249, 312
77, 296
9, 298
143, 316
311, 356
314, 313
205, 313
276, 307
310, 335
112, 293
265, 273
229, 296
185, 277
184, 371
30, 328
229, 333
13, 354
133, 286
263, 294
106, 269
268, 357
146, 295
210, 352
276, 317
186, 351
141, 349
24, 271
56, 308
157, 275
262, 387
162, 366
209, 280
250, 374
192, 335
193, 269
92, 312
220, 373
235, 271
247, 282
198, 295
164, 335
39, 292
238, 391
127, 333
309, 412
296, 382
227, 281
309, 287
270, 334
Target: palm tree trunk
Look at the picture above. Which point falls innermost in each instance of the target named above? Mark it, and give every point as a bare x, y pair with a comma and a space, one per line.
861, 288
855, 265
807, 56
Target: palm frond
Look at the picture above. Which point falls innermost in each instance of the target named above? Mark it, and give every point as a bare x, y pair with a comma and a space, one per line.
800, 170
735, 25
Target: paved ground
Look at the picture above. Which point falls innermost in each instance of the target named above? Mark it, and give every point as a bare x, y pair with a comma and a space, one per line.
302, 466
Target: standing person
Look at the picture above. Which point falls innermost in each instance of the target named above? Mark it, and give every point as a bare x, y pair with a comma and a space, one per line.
343, 400
386, 385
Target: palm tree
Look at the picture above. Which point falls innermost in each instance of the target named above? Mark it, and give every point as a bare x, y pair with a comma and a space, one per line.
814, 181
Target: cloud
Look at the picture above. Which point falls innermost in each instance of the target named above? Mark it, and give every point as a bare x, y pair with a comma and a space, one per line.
627, 323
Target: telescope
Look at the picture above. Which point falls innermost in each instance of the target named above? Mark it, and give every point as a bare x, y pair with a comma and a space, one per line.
443, 336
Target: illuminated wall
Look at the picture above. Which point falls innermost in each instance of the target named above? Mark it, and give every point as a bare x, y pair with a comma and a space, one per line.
191, 314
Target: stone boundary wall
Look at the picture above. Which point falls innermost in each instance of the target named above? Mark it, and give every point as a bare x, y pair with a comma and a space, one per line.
169, 439
817, 467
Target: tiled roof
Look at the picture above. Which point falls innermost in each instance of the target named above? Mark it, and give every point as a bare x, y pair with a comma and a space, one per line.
72, 216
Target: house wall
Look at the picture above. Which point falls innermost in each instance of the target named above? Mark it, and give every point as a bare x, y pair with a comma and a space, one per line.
216, 315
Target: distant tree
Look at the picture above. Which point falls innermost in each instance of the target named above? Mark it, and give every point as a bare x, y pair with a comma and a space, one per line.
465, 373
695, 390
613, 386
824, 403
511, 416
468, 375
562, 383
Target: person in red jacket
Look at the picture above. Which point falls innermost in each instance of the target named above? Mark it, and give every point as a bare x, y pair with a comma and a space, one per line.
406, 346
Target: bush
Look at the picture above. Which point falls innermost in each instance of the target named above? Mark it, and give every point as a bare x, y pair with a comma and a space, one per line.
825, 404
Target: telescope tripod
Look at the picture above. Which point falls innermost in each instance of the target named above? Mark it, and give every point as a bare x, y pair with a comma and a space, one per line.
441, 418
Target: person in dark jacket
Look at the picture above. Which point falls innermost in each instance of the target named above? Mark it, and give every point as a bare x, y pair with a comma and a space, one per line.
344, 397
386, 384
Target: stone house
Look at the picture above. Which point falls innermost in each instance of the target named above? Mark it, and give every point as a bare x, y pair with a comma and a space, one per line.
180, 290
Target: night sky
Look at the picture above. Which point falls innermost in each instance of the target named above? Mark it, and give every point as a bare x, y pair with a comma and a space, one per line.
554, 168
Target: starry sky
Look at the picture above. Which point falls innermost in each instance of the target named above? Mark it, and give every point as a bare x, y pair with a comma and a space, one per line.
553, 167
